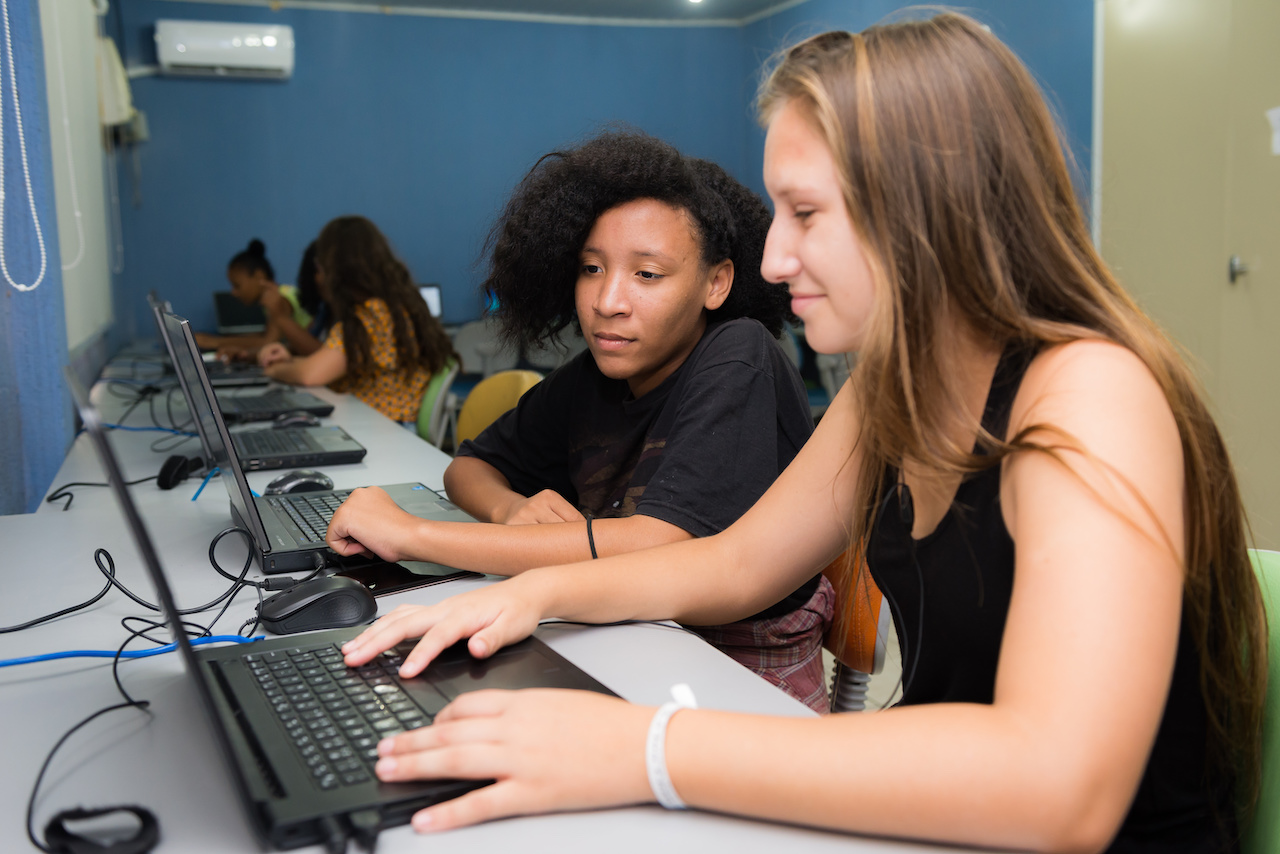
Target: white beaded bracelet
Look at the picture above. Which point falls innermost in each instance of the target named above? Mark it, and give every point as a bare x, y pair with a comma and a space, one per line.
655, 749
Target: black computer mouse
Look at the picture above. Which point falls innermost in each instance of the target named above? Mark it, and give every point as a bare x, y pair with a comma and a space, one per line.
295, 419
332, 602
299, 480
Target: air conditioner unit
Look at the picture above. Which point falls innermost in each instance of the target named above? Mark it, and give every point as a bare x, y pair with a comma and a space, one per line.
213, 49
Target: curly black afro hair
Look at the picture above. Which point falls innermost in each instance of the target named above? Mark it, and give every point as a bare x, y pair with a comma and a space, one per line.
534, 248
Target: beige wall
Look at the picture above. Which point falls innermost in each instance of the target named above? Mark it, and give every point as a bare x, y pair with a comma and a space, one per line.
69, 29
1185, 167
1164, 160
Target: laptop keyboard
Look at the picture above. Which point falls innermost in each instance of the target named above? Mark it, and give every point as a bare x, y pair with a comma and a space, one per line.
268, 401
311, 513
259, 443
335, 715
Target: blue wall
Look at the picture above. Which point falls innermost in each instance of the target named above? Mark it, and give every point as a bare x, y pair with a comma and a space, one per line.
424, 124
35, 411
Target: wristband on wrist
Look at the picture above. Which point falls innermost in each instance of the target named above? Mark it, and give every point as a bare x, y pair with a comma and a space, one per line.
655, 749
591, 540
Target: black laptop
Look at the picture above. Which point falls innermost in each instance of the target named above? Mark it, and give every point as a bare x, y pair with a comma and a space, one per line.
235, 403
221, 374
238, 406
288, 530
299, 729
234, 317
291, 447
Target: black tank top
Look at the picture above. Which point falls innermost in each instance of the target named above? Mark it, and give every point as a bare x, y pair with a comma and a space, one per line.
950, 640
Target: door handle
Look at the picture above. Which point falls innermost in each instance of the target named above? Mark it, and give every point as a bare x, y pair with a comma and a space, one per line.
1236, 268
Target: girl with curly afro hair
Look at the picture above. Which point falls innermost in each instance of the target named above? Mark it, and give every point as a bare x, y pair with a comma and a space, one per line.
678, 416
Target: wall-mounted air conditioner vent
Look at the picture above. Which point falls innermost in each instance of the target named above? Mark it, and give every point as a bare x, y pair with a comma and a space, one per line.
212, 49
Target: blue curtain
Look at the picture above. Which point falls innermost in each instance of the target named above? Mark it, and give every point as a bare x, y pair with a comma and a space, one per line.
35, 412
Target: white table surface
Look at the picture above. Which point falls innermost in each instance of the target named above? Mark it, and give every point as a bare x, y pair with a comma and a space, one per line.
167, 760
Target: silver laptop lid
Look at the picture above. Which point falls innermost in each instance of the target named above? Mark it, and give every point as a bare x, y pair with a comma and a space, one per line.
176, 356
200, 396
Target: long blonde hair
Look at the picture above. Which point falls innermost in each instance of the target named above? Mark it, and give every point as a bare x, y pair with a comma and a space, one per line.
953, 171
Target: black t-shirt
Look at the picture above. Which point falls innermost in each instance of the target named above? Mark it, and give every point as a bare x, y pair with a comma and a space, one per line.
696, 452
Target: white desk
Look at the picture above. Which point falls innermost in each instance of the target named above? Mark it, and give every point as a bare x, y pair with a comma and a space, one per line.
167, 760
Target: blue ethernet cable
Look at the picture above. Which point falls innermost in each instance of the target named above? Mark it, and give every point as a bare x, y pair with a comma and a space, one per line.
139, 653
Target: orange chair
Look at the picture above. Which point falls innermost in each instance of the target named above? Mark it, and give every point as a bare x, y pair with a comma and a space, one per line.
858, 634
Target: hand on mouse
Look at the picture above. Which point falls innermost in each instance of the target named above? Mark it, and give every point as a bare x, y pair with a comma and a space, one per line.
547, 750
370, 522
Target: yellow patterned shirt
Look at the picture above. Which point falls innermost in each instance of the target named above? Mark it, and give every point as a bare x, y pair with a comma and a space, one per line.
387, 390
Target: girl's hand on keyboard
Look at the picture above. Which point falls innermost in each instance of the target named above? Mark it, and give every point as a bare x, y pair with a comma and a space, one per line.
547, 750
272, 353
491, 617
370, 522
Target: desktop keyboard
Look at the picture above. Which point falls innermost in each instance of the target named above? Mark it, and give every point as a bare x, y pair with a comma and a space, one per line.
335, 715
261, 443
311, 513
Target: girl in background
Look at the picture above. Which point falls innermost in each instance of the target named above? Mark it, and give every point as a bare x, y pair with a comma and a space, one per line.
309, 296
383, 345
253, 283
1047, 504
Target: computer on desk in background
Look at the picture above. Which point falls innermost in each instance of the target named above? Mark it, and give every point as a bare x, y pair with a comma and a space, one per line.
291, 447
288, 530
221, 374
239, 407
236, 318
431, 294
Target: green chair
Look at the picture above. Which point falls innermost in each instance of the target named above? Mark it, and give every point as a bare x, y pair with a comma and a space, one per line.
433, 418
1262, 835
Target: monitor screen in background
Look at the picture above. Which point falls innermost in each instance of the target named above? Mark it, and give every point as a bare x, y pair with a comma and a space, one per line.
236, 318
431, 293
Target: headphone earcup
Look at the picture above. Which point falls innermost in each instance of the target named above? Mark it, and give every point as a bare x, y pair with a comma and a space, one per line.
175, 470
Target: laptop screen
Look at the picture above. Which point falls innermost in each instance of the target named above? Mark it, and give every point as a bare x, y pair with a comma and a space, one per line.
236, 318
431, 293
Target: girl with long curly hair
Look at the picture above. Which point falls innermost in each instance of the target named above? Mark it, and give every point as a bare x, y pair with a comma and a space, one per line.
384, 345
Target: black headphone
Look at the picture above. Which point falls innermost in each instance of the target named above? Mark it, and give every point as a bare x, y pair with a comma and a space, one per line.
63, 841
176, 469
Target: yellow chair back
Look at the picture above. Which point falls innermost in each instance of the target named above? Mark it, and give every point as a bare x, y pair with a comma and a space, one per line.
491, 397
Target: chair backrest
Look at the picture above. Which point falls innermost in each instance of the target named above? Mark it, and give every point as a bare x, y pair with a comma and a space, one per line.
490, 398
833, 370
1262, 834
552, 354
481, 351
431, 412
859, 633
855, 637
